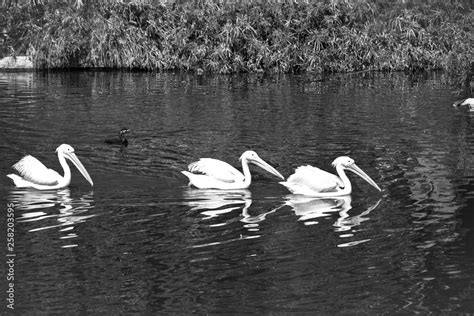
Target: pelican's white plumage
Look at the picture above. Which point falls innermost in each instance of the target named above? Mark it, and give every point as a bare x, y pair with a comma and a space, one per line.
216, 169
209, 173
34, 174
307, 179
32, 170
468, 101
312, 181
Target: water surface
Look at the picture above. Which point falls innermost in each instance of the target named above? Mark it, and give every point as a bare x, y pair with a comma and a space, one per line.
142, 241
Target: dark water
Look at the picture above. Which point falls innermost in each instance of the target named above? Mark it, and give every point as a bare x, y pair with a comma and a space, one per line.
141, 241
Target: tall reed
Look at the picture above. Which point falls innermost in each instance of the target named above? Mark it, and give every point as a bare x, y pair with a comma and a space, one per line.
247, 36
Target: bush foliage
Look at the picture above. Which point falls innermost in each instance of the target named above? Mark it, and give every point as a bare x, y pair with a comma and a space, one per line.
246, 36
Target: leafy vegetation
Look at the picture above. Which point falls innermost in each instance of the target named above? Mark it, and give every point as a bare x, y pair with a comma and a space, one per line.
246, 36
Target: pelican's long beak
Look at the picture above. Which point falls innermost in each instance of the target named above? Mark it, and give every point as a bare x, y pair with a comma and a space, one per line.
354, 168
79, 166
262, 164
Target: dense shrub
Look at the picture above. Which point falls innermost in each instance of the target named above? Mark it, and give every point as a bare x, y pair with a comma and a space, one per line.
246, 36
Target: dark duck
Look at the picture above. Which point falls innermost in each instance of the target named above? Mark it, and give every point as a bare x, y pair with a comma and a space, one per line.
121, 140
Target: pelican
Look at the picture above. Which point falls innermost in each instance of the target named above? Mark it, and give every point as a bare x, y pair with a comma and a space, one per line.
121, 140
312, 181
208, 173
35, 175
468, 101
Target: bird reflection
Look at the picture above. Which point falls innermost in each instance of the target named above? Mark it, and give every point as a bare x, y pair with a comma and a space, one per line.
213, 202
308, 209
346, 222
40, 206
254, 219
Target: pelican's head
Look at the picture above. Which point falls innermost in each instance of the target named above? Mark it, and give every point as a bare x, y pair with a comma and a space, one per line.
343, 161
349, 164
64, 149
251, 157
468, 101
67, 151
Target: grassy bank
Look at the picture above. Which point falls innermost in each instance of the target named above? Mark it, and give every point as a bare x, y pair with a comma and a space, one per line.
244, 36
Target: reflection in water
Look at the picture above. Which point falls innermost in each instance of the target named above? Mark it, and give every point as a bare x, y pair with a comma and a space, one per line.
255, 219
308, 209
212, 203
39, 206
216, 205
346, 222
201, 252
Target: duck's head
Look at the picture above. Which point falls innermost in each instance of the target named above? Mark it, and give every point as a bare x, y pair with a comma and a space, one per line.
124, 131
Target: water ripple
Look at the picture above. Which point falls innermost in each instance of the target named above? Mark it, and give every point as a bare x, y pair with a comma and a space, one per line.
161, 246
43, 210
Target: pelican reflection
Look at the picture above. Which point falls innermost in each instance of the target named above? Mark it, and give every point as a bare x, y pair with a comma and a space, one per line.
214, 202
257, 218
51, 209
346, 222
308, 209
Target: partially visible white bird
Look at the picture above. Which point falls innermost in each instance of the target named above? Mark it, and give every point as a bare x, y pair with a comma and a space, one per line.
312, 181
208, 173
468, 101
36, 175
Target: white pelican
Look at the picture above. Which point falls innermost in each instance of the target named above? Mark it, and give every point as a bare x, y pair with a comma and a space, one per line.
312, 181
34, 174
468, 101
208, 173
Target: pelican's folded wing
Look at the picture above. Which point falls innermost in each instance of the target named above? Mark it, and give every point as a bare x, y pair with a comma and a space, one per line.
217, 169
31, 169
314, 179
